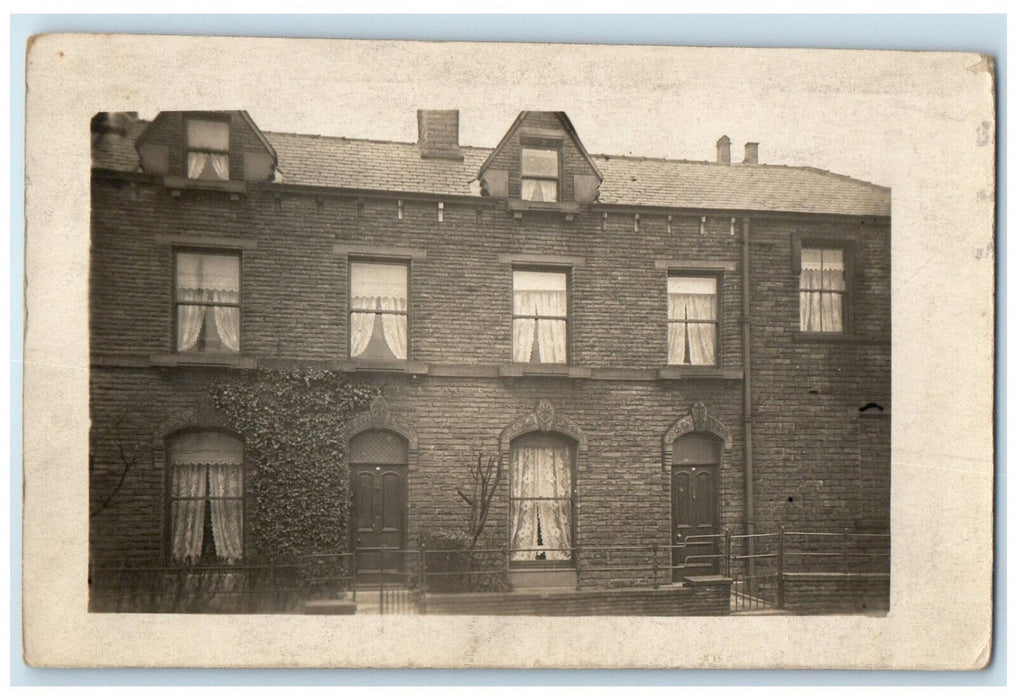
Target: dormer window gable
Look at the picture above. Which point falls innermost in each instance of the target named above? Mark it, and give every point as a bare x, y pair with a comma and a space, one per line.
540, 163
207, 149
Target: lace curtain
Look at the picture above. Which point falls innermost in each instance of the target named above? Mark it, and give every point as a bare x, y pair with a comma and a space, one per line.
530, 305
207, 288
207, 472
378, 288
700, 337
204, 136
822, 290
542, 503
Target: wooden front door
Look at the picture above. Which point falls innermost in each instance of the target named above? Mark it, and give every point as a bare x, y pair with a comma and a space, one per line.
378, 473
694, 519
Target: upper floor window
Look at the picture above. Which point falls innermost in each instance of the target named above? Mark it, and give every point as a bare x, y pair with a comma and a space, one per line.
378, 310
206, 498
208, 149
691, 320
539, 316
207, 301
540, 175
821, 290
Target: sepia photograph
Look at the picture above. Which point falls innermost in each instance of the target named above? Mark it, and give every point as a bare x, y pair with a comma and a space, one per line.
496, 334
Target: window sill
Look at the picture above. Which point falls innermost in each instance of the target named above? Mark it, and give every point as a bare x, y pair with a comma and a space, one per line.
697, 372
521, 369
202, 360
836, 338
396, 366
176, 182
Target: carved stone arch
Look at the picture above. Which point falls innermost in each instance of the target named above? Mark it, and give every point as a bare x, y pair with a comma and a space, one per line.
544, 418
199, 416
697, 420
380, 417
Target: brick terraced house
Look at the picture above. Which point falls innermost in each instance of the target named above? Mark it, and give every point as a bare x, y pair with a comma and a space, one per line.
675, 360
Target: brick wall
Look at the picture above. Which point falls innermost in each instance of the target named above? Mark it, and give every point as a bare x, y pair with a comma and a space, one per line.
818, 464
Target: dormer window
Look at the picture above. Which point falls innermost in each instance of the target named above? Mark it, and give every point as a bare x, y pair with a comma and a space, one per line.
540, 175
208, 149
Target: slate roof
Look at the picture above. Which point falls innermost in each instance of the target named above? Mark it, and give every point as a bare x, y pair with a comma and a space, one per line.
326, 161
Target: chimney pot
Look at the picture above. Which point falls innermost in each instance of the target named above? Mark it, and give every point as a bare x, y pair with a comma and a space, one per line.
723, 150
438, 133
752, 153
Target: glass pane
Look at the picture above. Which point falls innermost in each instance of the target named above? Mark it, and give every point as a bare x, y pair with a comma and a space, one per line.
378, 447
696, 448
540, 163
536, 281
833, 259
812, 259
206, 448
208, 135
540, 190
211, 276
372, 281
692, 285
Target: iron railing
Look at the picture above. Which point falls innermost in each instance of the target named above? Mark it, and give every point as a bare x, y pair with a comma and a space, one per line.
756, 564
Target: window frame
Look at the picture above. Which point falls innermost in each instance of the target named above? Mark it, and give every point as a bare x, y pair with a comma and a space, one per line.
848, 247
175, 305
548, 438
205, 117
378, 260
718, 277
549, 147
169, 499
567, 271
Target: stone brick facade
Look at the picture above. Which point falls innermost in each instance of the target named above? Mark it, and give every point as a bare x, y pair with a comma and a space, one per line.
819, 460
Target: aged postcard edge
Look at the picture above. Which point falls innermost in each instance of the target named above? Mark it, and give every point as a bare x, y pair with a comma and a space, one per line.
939, 618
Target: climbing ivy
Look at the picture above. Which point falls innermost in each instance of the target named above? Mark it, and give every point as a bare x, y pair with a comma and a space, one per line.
292, 422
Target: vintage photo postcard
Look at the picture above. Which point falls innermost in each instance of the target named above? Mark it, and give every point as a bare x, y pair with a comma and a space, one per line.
391, 354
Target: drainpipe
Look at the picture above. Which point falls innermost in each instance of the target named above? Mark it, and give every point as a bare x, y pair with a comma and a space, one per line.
750, 508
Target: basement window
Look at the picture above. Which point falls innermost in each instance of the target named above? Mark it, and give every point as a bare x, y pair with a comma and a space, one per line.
208, 149
540, 175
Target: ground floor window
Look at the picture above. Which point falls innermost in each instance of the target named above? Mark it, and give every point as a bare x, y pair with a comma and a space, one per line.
206, 506
541, 505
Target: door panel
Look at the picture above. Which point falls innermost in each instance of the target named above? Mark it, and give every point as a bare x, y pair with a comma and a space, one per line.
694, 520
379, 507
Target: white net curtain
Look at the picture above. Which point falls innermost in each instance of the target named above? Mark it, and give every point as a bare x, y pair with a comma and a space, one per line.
821, 304
206, 493
208, 299
540, 175
208, 145
692, 320
541, 502
539, 309
378, 308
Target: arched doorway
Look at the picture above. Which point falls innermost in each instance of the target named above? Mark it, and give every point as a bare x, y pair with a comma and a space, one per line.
378, 460
695, 525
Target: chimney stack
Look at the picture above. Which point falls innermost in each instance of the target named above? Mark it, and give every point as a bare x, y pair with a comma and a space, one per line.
723, 150
752, 153
438, 133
